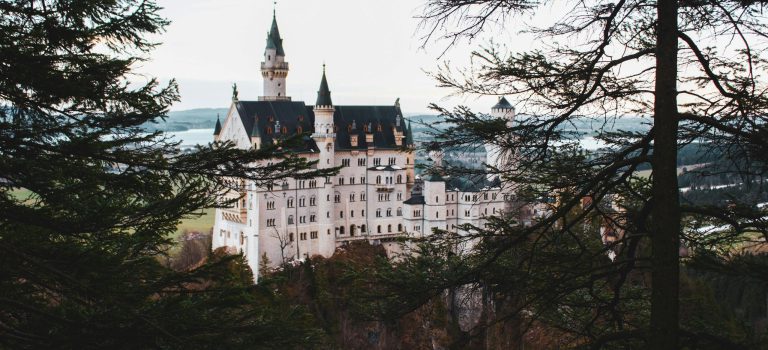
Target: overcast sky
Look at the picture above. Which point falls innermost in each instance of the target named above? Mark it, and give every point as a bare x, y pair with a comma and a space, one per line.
372, 50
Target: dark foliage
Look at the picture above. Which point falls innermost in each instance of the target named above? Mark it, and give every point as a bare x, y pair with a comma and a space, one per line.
697, 68
88, 200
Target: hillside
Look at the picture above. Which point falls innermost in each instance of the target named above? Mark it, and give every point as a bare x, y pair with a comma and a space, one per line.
200, 118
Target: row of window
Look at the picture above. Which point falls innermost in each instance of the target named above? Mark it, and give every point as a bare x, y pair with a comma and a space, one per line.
353, 229
376, 161
303, 235
389, 212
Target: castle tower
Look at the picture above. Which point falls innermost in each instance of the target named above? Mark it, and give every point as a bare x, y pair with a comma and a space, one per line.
274, 69
496, 157
325, 137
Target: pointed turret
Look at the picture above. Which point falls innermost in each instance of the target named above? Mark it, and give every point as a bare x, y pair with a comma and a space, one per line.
502, 104
274, 41
324, 94
217, 128
409, 135
274, 68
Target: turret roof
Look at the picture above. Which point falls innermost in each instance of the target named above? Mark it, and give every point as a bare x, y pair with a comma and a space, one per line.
217, 129
273, 38
502, 104
324, 94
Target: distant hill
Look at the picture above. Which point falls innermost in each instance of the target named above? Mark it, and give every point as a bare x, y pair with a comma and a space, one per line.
200, 118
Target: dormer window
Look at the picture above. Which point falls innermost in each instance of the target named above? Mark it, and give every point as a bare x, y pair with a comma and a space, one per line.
284, 130
271, 119
269, 131
378, 127
299, 130
365, 128
349, 127
301, 118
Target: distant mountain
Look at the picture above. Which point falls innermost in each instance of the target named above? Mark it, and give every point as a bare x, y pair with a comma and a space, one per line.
200, 118
581, 126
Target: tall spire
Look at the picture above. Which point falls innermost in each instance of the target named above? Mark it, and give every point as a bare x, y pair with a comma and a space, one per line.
273, 38
324, 94
217, 129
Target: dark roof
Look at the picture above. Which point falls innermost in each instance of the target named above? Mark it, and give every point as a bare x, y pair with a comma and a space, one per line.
415, 200
267, 119
434, 178
471, 183
217, 129
259, 116
370, 117
502, 104
273, 38
324, 94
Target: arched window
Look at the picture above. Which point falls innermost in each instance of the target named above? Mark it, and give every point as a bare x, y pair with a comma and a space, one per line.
341, 230
290, 219
289, 202
399, 211
269, 130
312, 200
284, 130
389, 211
399, 227
378, 179
362, 229
389, 228
399, 179
299, 130
378, 228
378, 213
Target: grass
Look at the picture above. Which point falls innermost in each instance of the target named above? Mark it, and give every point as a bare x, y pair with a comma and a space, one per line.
203, 223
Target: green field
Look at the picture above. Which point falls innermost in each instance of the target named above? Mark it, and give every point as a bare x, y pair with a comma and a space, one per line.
202, 223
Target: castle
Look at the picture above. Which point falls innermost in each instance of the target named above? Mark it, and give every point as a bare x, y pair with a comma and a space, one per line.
375, 196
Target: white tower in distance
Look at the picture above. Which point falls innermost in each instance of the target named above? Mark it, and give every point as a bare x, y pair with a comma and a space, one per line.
274, 69
496, 157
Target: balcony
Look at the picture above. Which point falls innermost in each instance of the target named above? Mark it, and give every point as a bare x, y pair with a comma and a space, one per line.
276, 66
385, 187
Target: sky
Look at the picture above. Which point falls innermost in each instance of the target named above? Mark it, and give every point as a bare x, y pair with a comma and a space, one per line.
372, 49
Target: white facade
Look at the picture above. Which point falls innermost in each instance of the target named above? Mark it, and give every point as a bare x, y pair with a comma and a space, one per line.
372, 197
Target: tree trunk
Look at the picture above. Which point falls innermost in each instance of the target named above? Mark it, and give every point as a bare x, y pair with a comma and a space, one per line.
666, 210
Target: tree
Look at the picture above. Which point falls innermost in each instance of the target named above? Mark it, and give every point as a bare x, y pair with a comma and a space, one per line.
88, 200
694, 66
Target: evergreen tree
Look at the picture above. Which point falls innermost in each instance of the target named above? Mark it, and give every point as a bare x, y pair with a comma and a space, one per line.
88, 200
695, 67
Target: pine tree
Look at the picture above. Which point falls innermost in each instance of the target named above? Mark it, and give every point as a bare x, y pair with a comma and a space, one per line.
694, 67
88, 200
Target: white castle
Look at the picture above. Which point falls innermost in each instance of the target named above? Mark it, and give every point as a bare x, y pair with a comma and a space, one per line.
375, 196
